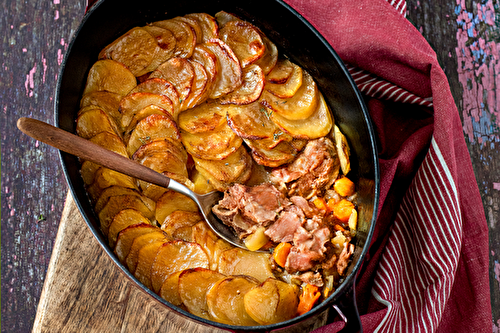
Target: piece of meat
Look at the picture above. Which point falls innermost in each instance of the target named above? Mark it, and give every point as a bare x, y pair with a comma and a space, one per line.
308, 248
343, 261
311, 278
285, 226
309, 209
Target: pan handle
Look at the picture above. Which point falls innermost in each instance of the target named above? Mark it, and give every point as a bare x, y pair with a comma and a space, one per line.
348, 311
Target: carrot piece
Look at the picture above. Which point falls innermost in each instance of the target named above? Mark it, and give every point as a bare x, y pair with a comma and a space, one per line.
338, 227
281, 253
320, 203
344, 187
330, 204
310, 294
342, 210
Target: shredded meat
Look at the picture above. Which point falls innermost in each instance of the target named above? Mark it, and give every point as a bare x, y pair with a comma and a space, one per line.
344, 257
312, 278
285, 226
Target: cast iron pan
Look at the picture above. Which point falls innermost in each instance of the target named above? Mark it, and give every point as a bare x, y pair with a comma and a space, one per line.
294, 37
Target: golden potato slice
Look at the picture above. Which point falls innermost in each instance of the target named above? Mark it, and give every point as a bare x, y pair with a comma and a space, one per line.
88, 170
126, 238
237, 261
125, 218
268, 61
225, 300
161, 146
244, 39
203, 118
193, 24
155, 192
316, 126
166, 45
138, 243
116, 204
193, 285
272, 302
135, 49
110, 75
145, 258
169, 290
132, 104
229, 77
208, 60
144, 113
342, 150
93, 122
105, 178
160, 86
251, 88
281, 72
300, 106
213, 145
223, 18
180, 73
152, 128
104, 100
165, 162
171, 201
290, 87
201, 184
198, 92
180, 219
185, 36
203, 235
271, 157
208, 24
251, 121
113, 191
176, 256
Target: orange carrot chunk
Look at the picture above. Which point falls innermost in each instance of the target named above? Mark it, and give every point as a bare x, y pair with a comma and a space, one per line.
344, 187
342, 210
320, 203
281, 253
310, 295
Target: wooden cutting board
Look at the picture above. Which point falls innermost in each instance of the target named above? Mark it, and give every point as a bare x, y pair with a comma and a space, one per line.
85, 292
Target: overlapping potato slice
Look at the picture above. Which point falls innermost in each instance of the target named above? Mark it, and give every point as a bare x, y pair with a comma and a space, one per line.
237, 261
133, 104
193, 285
145, 258
140, 115
160, 146
251, 88
244, 39
225, 300
169, 290
166, 45
180, 219
271, 302
315, 126
176, 256
281, 72
104, 100
270, 58
223, 17
298, 107
208, 25
125, 218
208, 60
135, 49
271, 157
193, 24
185, 37
203, 118
343, 150
230, 76
110, 75
213, 246
152, 128
164, 162
93, 122
171, 201
201, 184
155, 192
251, 121
126, 238
290, 86
138, 243
105, 178
160, 86
113, 191
199, 89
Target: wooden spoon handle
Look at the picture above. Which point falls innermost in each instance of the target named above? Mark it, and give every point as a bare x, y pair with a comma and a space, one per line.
88, 150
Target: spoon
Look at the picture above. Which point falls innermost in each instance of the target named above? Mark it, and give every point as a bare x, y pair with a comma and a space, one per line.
90, 151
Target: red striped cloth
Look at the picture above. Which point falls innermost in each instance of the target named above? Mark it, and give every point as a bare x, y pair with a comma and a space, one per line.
427, 266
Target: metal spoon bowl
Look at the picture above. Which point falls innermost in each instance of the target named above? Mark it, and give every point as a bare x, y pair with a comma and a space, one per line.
90, 151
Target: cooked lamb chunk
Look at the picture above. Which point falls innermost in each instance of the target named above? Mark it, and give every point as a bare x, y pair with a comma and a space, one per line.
344, 257
285, 226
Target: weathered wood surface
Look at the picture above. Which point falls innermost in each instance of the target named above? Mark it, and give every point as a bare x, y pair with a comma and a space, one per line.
35, 34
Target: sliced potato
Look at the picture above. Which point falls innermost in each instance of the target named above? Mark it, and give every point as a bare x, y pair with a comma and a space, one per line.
126, 238
185, 36
203, 118
252, 121
93, 122
125, 218
208, 24
138, 243
208, 60
213, 145
155, 192
245, 40
271, 157
203, 235
110, 75
229, 77
161, 146
180, 219
165, 162
193, 24
144, 113
113, 191
176, 256
88, 170
290, 87
225, 300
105, 178
201, 184
162, 87
237, 261
169, 290
171, 201
223, 17
110, 141
145, 257
104, 100
165, 48
251, 88
132, 104
342, 150
199, 90
281, 72
193, 285
268, 61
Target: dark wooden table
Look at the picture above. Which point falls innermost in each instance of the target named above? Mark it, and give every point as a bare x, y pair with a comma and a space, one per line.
35, 35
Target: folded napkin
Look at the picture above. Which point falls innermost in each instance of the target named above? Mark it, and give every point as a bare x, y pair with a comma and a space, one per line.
427, 266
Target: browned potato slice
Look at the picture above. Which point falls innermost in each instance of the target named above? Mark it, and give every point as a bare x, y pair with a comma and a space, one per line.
209, 241
170, 289
192, 289
180, 219
113, 191
176, 256
104, 100
171, 201
201, 184
268, 61
160, 86
281, 72
145, 258
93, 122
165, 48
88, 170
250, 90
342, 150
126, 238
271, 302
203, 118
212, 145
132, 104
155, 192
135, 49
229, 78
238, 261
125, 218
152, 128
271, 157
185, 36
208, 60
165, 162
199, 90
288, 88
116, 204
223, 18
110, 75
138, 243
105, 178
161, 146
300, 106
316, 126
225, 300
252, 121
144, 113
244, 39
193, 24
208, 24
180, 73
